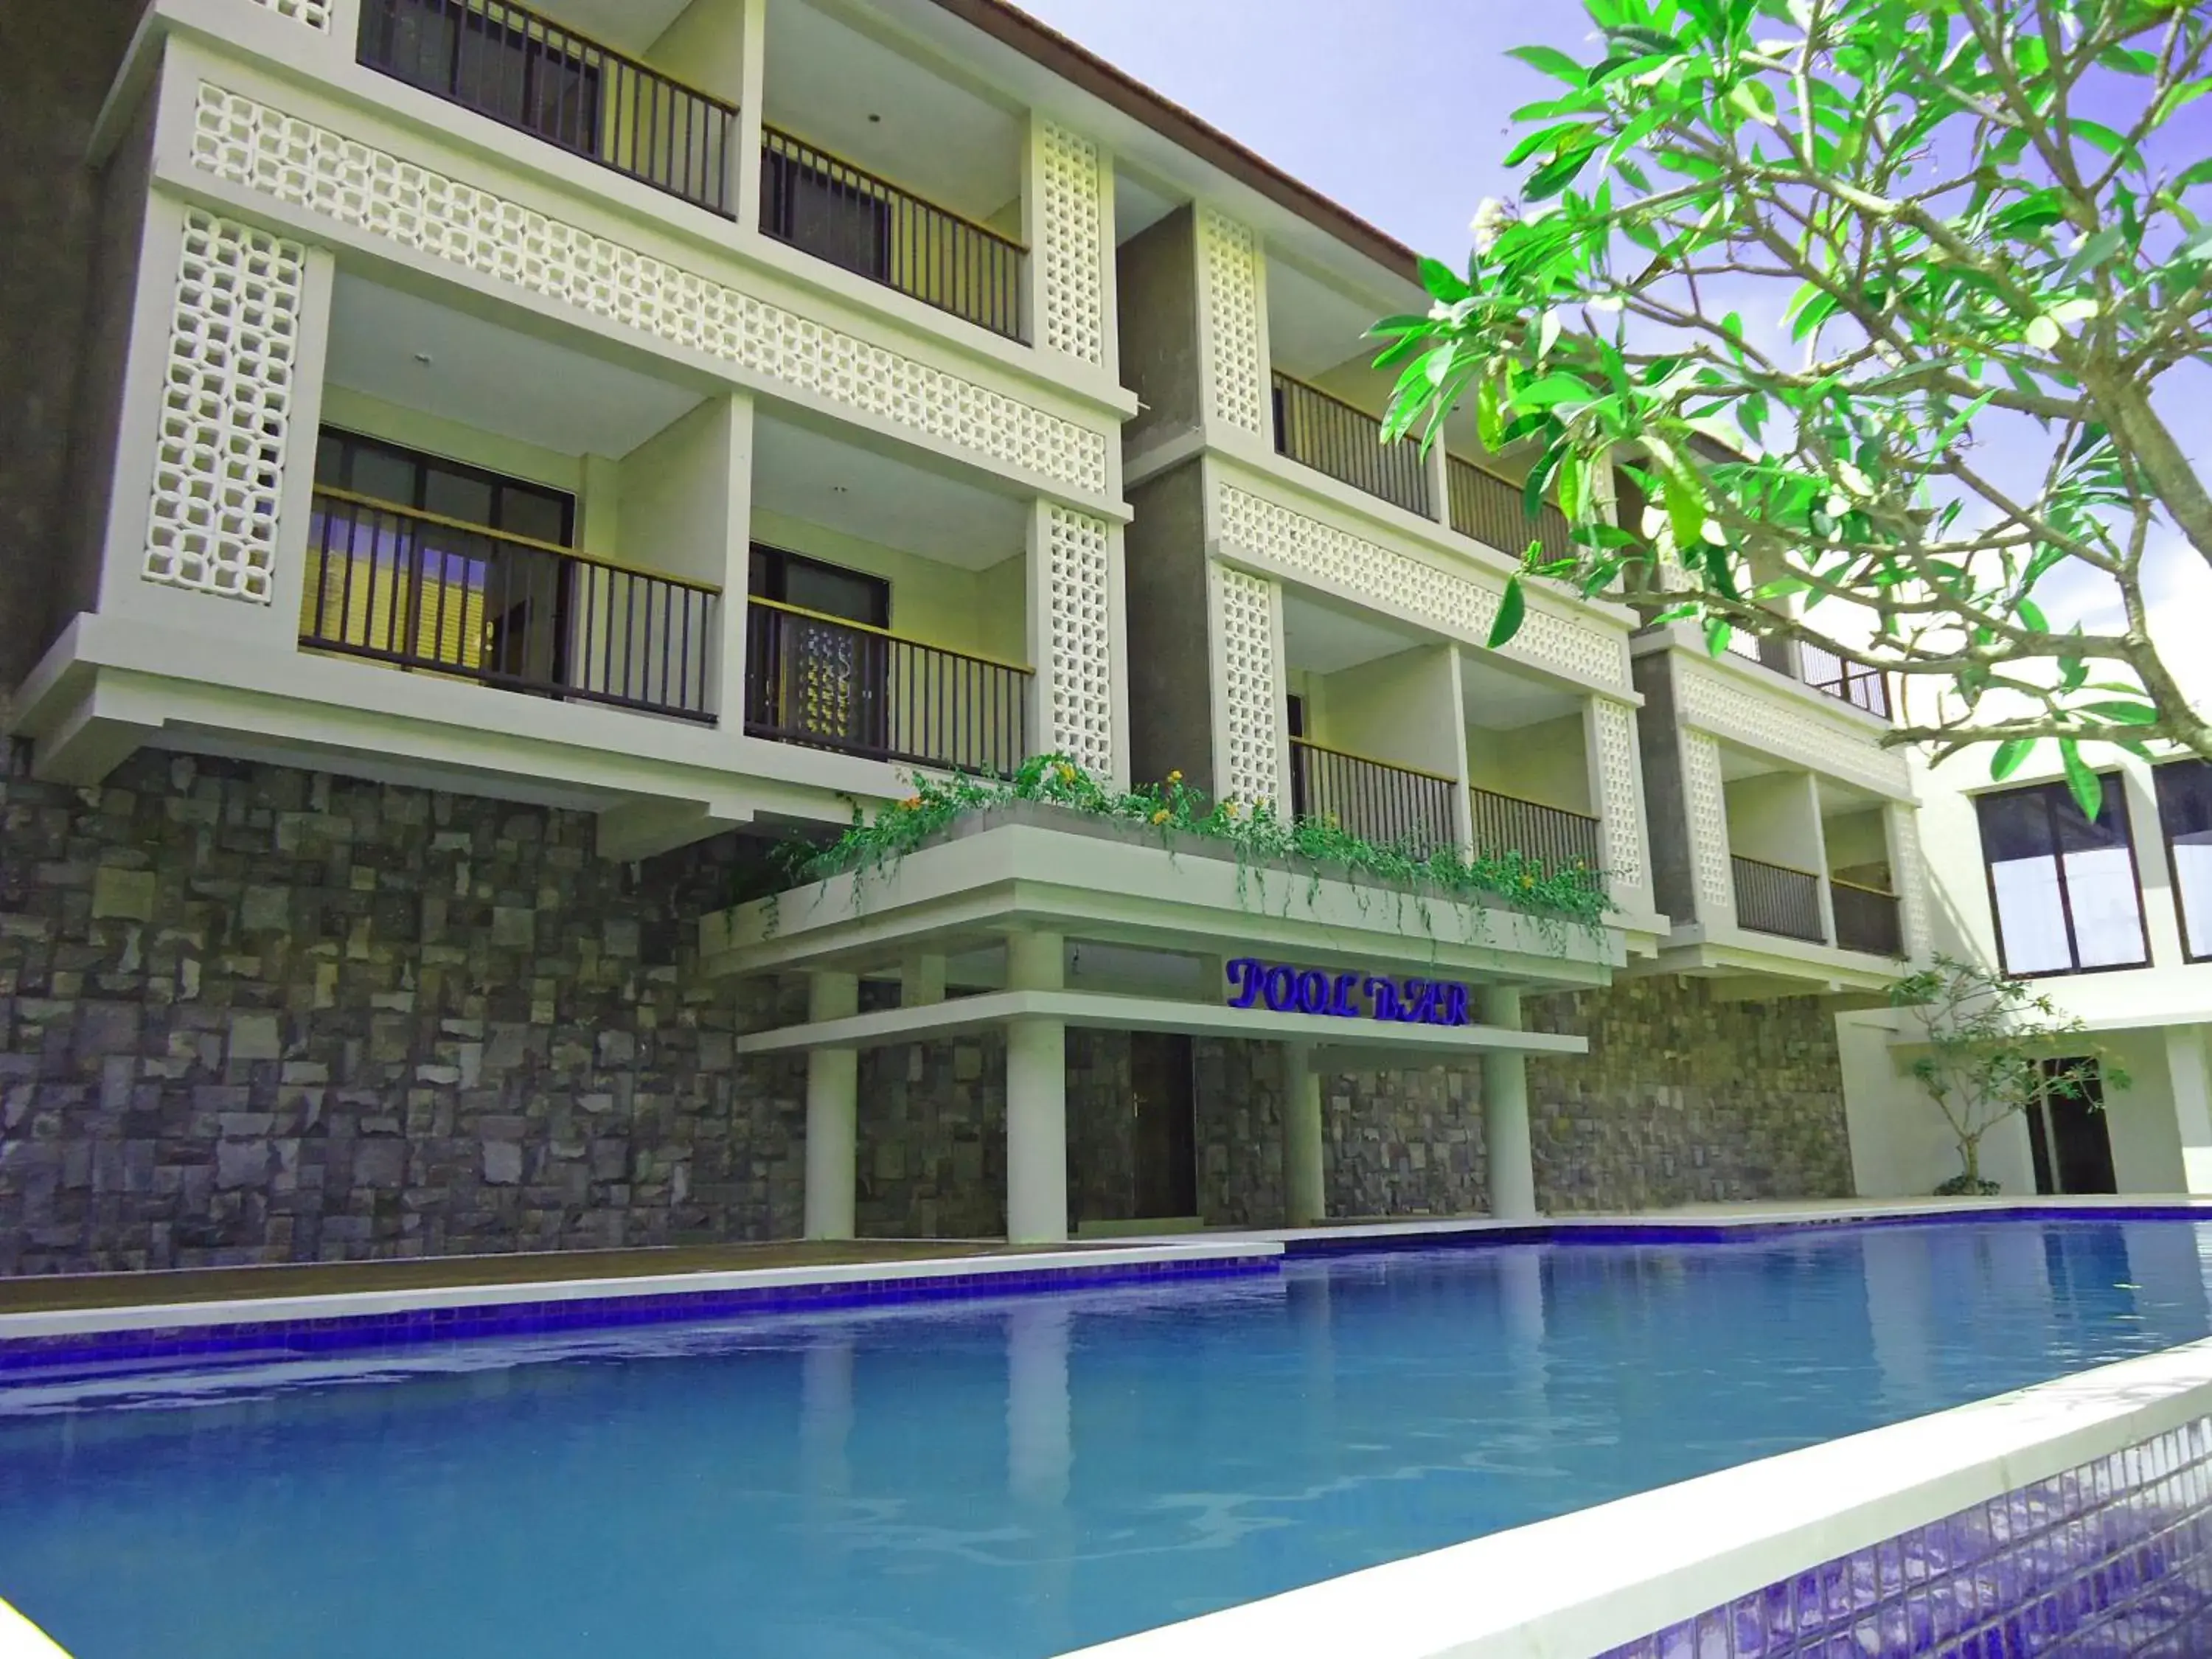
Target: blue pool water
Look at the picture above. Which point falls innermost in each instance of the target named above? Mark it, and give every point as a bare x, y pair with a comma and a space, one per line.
1014, 1477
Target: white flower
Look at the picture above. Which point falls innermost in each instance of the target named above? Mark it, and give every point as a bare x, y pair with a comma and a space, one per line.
1491, 218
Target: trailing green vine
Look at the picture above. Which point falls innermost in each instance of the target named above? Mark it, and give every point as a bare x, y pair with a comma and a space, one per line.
1258, 837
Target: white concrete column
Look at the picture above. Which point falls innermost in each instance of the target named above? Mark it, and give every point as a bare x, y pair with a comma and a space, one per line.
1438, 463
1505, 1113
1303, 1167
752, 69
921, 979
833, 1093
1827, 894
2192, 1103
1037, 1098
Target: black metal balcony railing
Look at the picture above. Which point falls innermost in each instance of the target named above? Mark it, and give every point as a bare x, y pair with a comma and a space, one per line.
434, 595
829, 683
1319, 431
530, 74
1390, 806
851, 217
1855, 682
1493, 511
1506, 823
1866, 918
1771, 898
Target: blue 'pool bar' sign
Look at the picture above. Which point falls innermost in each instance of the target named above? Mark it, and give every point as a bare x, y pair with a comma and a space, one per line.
1286, 989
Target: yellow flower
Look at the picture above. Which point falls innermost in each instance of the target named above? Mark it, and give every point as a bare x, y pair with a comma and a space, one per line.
1160, 816
910, 804
1174, 777
1527, 880
1066, 774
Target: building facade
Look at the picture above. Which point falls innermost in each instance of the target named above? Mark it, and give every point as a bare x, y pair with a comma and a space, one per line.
523, 464
2111, 919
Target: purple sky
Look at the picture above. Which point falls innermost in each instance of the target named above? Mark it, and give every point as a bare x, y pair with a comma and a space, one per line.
1395, 109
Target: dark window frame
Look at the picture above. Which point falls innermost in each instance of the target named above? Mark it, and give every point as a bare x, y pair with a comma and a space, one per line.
2115, 785
2189, 953
351, 444
777, 562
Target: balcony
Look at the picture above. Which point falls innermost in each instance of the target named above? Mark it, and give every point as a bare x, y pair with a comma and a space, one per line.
1771, 898
529, 73
1399, 806
1863, 686
1331, 436
823, 682
1558, 839
1493, 511
1867, 919
865, 224
433, 595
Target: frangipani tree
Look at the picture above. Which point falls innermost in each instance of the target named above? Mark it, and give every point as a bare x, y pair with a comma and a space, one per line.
1886, 308
1989, 1051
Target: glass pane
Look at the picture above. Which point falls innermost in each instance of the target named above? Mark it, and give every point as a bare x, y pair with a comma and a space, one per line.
2184, 797
458, 495
835, 592
2077, 833
2030, 922
379, 473
2192, 876
2107, 912
2014, 825
528, 513
330, 461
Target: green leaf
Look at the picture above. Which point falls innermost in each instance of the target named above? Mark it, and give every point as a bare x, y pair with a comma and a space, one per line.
2088, 790
1686, 512
1511, 608
1556, 174
2123, 714
1442, 281
2008, 756
1551, 62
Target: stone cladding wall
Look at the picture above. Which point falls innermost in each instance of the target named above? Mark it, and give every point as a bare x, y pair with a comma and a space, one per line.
1404, 1143
1684, 1098
249, 1013
933, 1140
1239, 1111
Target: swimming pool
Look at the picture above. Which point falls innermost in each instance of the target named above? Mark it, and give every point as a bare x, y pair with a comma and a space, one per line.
1018, 1476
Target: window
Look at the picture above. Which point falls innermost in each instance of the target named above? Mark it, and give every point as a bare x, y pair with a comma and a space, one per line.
491, 60
2185, 808
2063, 887
810, 679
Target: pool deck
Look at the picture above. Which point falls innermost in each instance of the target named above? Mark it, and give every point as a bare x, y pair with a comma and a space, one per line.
89, 1303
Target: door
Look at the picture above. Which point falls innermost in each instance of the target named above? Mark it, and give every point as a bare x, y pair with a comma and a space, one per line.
1164, 1140
2068, 1136
813, 680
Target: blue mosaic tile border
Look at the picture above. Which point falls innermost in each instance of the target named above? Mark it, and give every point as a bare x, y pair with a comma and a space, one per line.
2113, 1559
64, 1356
1707, 1232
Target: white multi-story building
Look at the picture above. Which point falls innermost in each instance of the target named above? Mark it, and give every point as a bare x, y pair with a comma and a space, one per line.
2111, 919
525, 459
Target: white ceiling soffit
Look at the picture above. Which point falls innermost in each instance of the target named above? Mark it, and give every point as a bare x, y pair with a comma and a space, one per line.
1137, 205
1319, 638
1165, 162
852, 95
801, 474
628, 25
455, 365
1313, 326
1499, 701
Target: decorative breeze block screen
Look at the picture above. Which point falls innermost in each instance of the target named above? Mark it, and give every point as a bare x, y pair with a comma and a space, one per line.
1251, 688
1411, 588
1082, 587
1614, 725
1910, 876
1707, 804
1230, 280
296, 162
315, 14
1072, 246
1709, 699
226, 410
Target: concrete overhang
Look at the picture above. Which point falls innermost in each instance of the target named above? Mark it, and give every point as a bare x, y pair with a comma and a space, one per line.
1030, 869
